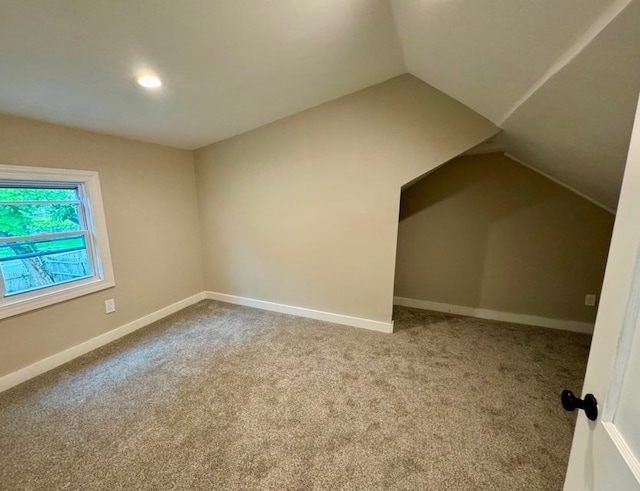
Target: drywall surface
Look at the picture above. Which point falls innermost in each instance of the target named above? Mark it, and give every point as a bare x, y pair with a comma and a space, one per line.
577, 126
486, 232
304, 211
151, 213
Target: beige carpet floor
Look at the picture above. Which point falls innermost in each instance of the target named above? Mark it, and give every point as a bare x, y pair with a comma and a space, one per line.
227, 397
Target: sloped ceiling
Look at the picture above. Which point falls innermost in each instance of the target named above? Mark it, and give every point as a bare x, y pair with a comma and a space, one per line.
577, 126
560, 77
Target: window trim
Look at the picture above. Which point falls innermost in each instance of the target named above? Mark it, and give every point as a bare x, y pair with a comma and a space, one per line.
89, 189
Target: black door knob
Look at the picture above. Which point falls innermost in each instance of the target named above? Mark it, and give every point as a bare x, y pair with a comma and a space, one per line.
589, 404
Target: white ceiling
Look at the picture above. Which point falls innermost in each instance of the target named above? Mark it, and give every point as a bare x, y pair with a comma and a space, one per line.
228, 65
489, 53
561, 77
577, 126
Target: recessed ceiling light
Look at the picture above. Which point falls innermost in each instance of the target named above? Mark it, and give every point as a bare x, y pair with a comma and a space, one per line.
149, 81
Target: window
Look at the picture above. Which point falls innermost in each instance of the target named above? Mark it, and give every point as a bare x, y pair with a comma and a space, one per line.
53, 238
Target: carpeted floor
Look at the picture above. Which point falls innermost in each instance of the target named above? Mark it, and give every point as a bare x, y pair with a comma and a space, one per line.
227, 397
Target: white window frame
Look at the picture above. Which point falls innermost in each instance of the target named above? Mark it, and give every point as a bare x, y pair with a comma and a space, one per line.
88, 183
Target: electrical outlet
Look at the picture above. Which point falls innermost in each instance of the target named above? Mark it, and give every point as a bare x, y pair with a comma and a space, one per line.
590, 300
109, 305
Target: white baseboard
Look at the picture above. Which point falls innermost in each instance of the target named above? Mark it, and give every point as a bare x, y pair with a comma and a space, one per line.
58, 359
42, 366
346, 320
531, 320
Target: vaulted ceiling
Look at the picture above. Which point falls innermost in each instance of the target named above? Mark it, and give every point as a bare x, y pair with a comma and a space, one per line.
560, 77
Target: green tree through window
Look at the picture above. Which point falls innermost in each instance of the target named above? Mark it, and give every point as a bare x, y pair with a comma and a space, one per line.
53, 237
37, 217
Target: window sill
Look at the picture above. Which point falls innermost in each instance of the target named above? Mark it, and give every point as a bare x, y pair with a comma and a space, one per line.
10, 308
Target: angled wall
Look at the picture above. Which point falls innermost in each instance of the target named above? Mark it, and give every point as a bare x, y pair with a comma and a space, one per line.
485, 232
304, 211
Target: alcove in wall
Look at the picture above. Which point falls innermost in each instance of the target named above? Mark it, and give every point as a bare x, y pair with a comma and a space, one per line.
485, 236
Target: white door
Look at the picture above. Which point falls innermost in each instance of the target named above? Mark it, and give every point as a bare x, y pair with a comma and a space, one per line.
606, 452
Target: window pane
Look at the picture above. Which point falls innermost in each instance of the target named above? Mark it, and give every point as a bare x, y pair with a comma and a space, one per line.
35, 194
35, 219
29, 265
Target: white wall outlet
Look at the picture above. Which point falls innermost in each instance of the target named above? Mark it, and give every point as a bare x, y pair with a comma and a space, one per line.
109, 305
590, 300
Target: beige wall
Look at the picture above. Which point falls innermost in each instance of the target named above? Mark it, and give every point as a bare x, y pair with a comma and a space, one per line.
149, 195
304, 211
487, 232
